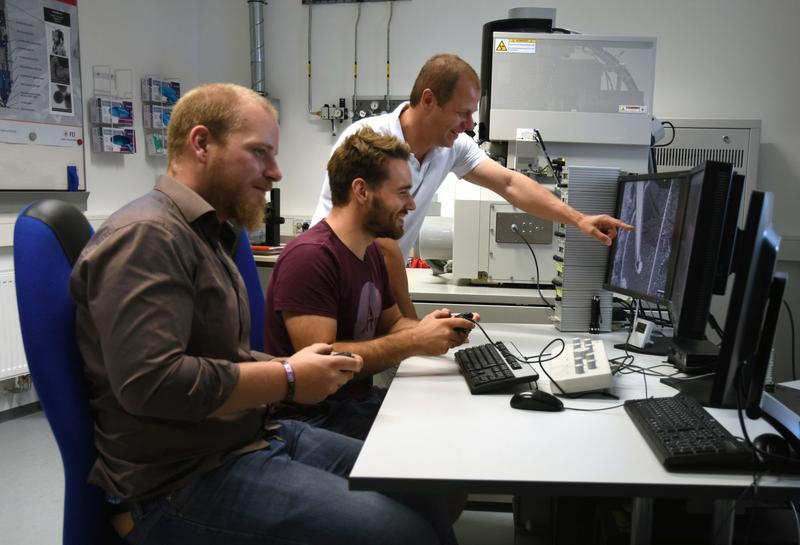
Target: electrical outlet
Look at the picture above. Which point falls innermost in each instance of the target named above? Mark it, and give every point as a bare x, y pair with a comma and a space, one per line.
296, 225
535, 230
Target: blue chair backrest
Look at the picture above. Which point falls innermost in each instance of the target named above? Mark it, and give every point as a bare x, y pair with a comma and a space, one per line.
48, 238
243, 257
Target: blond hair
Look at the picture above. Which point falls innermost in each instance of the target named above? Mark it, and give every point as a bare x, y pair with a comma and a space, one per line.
216, 106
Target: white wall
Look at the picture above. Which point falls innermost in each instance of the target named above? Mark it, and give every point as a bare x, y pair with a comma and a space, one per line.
194, 40
715, 58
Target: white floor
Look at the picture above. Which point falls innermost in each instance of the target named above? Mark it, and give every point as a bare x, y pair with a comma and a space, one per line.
32, 488
31, 494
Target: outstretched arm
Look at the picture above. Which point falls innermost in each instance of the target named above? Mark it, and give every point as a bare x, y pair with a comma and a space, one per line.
535, 199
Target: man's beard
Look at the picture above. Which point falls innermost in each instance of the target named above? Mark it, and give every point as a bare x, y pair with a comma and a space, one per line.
380, 223
228, 197
249, 215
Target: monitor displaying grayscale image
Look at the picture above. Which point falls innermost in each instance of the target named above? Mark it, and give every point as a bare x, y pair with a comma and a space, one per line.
642, 261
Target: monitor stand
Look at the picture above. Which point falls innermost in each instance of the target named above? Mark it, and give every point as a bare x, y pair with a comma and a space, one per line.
693, 356
659, 346
698, 388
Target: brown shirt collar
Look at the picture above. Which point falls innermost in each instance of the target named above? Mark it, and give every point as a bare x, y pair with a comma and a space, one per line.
197, 211
190, 203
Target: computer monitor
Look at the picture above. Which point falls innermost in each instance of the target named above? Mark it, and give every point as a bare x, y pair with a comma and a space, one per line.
729, 232
749, 327
698, 263
707, 237
641, 262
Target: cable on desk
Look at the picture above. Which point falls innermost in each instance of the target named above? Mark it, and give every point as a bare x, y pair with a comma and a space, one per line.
756, 475
595, 410
791, 325
758, 454
525, 359
488, 338
535, 262
712, 321
544, 356
752, 486
793, 505
626, 361
493, 343
629, 369
560, 389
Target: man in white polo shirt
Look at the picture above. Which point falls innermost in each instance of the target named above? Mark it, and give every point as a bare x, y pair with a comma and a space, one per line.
443, 99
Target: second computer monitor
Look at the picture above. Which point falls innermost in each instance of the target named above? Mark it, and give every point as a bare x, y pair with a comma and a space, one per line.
750, 323
706, 232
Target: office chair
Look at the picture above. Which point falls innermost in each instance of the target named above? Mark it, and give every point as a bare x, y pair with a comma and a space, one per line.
48, 238
243, 257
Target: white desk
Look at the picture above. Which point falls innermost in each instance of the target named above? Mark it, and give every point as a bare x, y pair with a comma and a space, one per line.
432, 435
428, 292
265, 260
495, 304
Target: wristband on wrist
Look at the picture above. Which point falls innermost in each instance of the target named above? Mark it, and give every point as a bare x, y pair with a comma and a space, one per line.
289, 380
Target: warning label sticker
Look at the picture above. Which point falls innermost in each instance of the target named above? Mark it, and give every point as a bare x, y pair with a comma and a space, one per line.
524, 135
515, 45
632, 109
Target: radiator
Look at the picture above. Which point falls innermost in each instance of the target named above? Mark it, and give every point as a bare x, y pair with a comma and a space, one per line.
12, 353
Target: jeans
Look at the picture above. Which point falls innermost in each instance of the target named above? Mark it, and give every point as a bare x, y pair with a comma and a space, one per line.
351, 417
294, 492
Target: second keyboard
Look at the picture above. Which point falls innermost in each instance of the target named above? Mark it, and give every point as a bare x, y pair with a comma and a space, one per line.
684, 435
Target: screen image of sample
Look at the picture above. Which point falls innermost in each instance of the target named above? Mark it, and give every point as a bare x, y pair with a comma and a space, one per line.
642, 257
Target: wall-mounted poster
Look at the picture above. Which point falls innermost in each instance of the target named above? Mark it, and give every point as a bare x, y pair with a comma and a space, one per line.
40, 91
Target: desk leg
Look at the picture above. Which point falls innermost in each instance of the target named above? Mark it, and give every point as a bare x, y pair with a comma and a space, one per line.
642, 521
722, 518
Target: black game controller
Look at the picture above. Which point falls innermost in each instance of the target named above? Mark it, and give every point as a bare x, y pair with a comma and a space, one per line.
465, 316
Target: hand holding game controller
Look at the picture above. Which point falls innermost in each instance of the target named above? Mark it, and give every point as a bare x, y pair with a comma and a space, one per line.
344, 354
465, 316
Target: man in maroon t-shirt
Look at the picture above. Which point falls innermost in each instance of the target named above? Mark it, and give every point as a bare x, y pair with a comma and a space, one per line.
331, 284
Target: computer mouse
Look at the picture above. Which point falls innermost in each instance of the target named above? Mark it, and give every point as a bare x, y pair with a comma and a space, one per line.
536, 400
772, 443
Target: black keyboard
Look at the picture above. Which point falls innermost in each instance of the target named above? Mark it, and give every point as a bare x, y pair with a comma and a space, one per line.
492, 368
684, 435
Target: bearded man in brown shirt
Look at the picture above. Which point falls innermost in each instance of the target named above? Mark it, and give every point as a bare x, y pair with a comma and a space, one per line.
186, 450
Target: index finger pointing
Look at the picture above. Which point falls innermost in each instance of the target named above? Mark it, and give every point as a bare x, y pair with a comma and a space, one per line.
623, 225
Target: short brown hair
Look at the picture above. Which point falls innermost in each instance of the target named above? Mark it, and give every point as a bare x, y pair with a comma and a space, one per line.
216, 106
440, 74
363, 154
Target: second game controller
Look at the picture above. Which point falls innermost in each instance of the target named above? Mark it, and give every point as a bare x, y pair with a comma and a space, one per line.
465, 316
